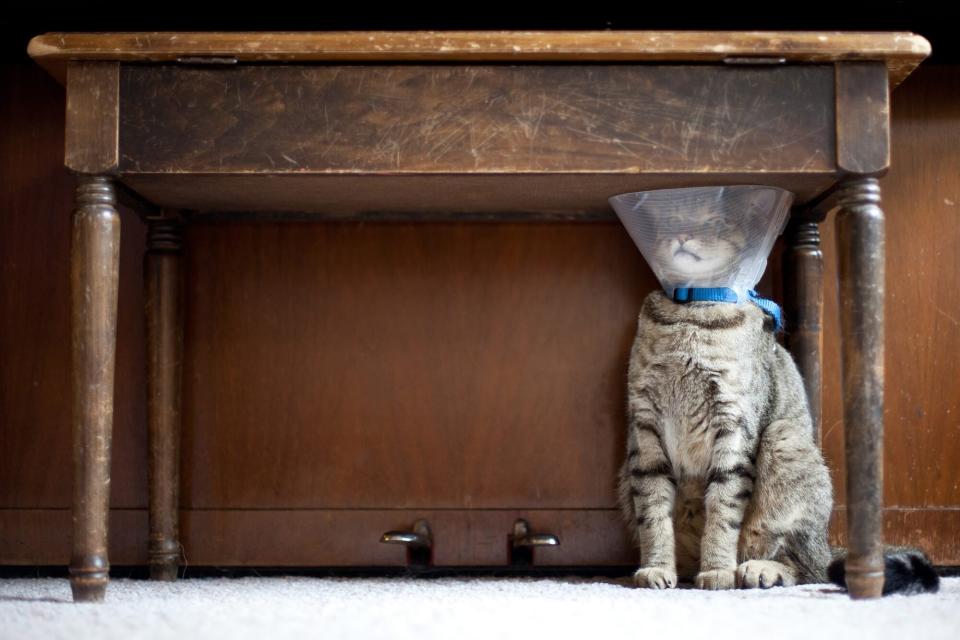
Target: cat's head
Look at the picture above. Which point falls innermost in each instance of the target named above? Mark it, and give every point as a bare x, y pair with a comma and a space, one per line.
698, 246
705, 236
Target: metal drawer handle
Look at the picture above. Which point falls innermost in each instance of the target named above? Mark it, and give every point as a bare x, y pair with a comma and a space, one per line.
523, 538
405, 537
523, 543
418, 537
538, 540
419, 543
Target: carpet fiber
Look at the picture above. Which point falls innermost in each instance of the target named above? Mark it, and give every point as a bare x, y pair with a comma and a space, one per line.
458, 608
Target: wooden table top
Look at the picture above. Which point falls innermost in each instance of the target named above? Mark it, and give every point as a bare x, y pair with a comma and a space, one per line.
901, 51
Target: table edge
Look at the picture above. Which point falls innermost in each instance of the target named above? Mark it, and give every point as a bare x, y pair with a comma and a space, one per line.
901, 51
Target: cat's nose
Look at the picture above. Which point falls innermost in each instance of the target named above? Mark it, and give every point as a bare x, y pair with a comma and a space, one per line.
682, 238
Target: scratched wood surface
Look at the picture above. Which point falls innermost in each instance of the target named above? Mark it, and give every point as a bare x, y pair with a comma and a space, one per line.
901, 51
544, 138
476, 119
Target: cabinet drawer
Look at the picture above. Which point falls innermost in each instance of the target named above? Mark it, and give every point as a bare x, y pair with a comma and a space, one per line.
493, 138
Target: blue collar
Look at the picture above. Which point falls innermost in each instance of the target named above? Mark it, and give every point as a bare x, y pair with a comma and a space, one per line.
723, 294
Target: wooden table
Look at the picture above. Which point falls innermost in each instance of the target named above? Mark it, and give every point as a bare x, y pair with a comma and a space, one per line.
462, 125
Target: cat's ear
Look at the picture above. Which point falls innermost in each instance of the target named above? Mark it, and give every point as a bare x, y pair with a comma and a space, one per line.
759, 208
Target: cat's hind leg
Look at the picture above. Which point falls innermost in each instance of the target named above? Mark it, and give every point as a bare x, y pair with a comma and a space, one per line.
798, 557
784, 534
764, 574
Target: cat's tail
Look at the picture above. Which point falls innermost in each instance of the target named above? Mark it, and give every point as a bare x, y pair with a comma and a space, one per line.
906, 571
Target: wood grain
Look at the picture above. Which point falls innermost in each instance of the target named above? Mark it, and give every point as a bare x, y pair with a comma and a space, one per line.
454, 119
803, 306
901, 51
558, 196
93, 112
94, 282
861, 250
453, 365
863, 118
504, 141
163, 290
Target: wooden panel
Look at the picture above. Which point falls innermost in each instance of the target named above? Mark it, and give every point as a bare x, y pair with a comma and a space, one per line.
342, 537
475, 537
901, 51
433, 197
43, 536
934, 530
407, 365
410, 119
92, 117
863, 118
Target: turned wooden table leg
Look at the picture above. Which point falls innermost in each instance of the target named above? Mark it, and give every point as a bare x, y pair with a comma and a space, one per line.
161, 271
94, 273
860, 240
803, 307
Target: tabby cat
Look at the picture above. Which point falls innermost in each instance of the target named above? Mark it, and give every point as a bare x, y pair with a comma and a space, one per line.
723, 483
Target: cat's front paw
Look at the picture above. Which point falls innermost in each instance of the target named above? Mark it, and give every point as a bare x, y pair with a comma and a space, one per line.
764, 574
655, 578
716, 579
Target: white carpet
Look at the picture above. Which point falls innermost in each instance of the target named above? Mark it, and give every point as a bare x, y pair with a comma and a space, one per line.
463, 608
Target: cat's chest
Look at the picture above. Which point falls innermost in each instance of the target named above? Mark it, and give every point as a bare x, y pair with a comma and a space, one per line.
694, 397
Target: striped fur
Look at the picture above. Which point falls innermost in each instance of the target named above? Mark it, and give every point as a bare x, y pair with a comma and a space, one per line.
722, 482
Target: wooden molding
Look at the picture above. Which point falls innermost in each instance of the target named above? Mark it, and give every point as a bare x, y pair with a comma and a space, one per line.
900, 51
